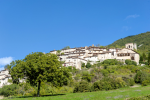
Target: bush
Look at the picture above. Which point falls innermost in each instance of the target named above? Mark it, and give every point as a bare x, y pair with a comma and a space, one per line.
138, 77
141, 76
25, 89
83, 86
112, 62
108, 83
77, 77
129, 81
86, 76
145, 83
104, 72
8, 90
132, 82
96, 86
88, 65
129, 62
83, 65
119, 83
65, 89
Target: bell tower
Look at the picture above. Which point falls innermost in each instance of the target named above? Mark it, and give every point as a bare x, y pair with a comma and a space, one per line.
131, 46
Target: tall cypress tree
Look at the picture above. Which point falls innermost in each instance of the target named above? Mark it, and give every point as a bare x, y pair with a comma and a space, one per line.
149, 58
141, 58
144, 57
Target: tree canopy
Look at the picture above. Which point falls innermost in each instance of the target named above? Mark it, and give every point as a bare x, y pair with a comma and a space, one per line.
38, 67
142, 40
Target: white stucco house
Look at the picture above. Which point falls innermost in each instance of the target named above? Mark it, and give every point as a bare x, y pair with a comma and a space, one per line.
76, 56
4, 76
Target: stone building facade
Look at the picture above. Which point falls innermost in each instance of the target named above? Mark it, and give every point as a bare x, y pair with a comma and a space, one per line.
76, 56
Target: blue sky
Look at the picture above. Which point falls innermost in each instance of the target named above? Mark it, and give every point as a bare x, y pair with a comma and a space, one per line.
43, 25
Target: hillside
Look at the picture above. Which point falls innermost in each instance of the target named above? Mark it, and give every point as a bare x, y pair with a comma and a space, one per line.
142, 40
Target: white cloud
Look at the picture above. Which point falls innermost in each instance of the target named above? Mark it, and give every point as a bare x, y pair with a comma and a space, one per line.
5, 60
132, 16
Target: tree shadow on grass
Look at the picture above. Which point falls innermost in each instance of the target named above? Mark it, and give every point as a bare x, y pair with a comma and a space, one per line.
36, 96
52, 95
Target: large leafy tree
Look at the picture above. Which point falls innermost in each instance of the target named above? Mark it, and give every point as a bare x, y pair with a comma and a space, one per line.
38, 67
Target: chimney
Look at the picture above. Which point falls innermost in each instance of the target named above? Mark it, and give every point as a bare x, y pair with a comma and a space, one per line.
92, 45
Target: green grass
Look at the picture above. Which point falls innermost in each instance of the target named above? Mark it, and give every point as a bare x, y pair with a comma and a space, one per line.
119, 94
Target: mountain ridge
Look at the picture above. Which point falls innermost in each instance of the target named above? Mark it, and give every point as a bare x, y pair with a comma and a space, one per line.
142, 40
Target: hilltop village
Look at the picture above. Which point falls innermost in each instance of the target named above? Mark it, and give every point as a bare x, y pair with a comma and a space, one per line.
76, 56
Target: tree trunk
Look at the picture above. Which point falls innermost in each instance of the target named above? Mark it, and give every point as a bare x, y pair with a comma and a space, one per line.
38, 93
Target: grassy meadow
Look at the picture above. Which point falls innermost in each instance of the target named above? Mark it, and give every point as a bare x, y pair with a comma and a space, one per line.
119, 94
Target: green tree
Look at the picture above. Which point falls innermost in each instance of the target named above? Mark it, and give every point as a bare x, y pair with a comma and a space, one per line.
149, 58
129, 62
6, 66
141, 58
58, 51
144, 57
83, 65
39, 67
67, 47
88, 65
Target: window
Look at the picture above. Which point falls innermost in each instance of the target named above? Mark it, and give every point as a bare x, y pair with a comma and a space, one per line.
132, 58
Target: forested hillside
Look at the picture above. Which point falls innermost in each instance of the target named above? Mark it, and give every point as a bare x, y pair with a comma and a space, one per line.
142, 40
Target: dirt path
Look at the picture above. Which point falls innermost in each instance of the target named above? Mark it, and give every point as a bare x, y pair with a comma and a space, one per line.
1, 97
135, 86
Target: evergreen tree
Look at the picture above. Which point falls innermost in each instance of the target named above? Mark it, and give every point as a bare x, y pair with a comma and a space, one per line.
144, 57
88, 65
141, 58
149, 58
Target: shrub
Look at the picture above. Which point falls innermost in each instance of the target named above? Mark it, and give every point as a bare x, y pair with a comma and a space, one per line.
77, 77
10, 80
141, 76
129, 81
132, 82
108, 83
86, 76
145, 83
119, 83
129, 62
88, 65
96, 86
138, 77
65, 89
83, 65
104, 72
8, 90
83, 86
112, 62
25, 89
